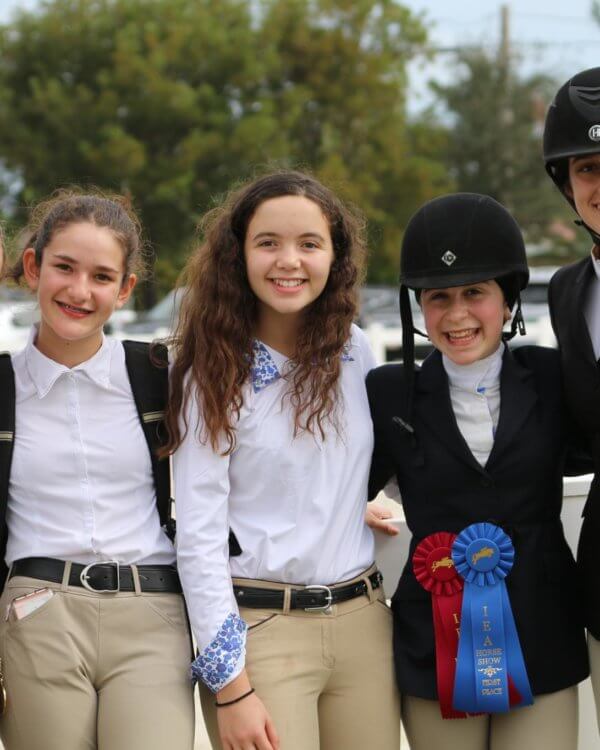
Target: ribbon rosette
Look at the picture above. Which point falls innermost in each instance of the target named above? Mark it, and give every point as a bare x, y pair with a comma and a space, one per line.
490, 671
435, 571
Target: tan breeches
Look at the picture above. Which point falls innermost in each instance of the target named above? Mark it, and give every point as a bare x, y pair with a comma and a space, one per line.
549, 724
327, 680
89, 671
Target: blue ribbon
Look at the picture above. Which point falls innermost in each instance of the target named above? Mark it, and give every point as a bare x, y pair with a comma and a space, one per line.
488, 648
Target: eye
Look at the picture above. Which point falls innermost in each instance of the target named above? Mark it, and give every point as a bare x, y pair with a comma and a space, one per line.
104, 278
310, 244
266, 243
473, 291
62, 266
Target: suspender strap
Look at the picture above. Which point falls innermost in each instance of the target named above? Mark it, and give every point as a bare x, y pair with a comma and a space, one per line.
7, 433
149, 377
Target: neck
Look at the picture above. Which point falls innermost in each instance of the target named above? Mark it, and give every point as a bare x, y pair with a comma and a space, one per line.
280, 332
67, 353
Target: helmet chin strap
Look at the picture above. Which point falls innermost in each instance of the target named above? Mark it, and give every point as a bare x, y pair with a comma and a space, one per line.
517, 324
594, 235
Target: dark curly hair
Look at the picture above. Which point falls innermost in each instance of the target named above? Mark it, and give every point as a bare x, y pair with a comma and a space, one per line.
213, 340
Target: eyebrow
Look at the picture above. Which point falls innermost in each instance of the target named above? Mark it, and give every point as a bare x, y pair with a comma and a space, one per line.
69, 259
304, 235
581, 157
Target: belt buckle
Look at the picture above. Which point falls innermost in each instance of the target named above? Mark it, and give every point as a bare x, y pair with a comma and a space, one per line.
84, 577
322, 607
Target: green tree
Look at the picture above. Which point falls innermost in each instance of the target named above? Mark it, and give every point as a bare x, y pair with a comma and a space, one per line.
171, 101
495, 131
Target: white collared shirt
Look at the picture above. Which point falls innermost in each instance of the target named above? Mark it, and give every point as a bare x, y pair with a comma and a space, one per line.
296, 505
475, 397
81, 484
591, 308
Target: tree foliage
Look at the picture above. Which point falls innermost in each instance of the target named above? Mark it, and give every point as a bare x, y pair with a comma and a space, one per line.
172, 101
495, 137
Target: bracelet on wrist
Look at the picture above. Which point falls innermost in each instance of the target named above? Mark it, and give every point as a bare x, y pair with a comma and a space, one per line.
235, 700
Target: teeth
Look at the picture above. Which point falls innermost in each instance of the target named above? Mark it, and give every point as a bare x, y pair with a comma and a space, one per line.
288, 282
71, 307
461, 334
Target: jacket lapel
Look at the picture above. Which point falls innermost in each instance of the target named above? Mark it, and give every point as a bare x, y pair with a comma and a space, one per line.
578, 325
517, 398
435, 408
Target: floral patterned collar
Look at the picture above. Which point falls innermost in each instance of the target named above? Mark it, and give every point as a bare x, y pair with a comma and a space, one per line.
264, 371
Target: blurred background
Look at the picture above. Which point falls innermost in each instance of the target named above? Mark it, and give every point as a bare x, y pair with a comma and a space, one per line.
391, 103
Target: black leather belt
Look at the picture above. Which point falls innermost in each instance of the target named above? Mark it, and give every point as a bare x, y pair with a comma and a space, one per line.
314, 598
105, 577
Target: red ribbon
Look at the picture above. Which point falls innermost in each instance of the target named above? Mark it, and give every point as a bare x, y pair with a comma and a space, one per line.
435, 571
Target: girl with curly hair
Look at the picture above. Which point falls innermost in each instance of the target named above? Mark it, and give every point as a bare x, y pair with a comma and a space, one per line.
270, 422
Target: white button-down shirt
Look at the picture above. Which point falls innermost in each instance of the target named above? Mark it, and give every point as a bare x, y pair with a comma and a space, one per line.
591, 307
296, 505
475, 397
81, 484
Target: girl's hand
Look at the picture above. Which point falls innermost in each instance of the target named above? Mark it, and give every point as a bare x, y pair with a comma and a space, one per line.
245, 725
375, 517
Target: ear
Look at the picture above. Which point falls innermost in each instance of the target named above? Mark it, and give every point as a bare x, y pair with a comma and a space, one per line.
31, 270
127, 287
507, 313
568, 190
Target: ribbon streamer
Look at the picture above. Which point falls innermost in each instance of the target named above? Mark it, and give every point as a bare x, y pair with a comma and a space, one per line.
490, 671
434, 569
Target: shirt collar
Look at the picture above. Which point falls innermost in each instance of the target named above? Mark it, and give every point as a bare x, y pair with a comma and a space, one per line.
268, 364
477, 377
44, 372
596, 265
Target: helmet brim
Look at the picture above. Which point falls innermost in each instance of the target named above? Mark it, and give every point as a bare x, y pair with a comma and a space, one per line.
446, 280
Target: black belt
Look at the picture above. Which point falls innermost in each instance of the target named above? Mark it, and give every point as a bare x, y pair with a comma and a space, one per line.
316, 598
102, 577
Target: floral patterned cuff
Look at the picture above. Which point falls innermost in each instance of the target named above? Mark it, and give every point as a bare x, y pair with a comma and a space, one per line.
216, 665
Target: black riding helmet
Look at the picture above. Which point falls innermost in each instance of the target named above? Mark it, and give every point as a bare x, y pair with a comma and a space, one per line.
455, 240
573, 129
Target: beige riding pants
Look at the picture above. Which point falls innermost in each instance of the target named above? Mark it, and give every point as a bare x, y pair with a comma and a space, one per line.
89, 671
326, 679
594, 653
551, 723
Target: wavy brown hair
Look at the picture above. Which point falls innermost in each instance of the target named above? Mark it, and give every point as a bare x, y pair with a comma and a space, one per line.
213, 340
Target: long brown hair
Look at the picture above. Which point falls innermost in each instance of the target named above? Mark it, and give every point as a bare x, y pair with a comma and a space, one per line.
213, 340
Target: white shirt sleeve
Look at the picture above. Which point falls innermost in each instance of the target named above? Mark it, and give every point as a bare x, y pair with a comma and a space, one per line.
202, 492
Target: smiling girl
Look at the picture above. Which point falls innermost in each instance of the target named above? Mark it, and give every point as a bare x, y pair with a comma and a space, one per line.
477, 435
94, 641
270, 419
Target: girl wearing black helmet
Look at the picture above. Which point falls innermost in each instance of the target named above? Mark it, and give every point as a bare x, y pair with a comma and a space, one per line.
477, 435
572, 158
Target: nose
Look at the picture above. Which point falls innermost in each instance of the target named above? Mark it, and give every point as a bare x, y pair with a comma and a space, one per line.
457, 308
288, 257
79, 288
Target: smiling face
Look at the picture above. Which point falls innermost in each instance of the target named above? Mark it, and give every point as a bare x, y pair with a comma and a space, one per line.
584, 188
288, 252
79, 284
465, 322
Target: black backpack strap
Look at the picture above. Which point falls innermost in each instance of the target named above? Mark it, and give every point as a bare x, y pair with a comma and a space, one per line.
149, 377
7, 437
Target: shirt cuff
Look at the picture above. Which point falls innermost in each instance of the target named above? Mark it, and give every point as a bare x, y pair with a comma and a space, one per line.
220, 661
